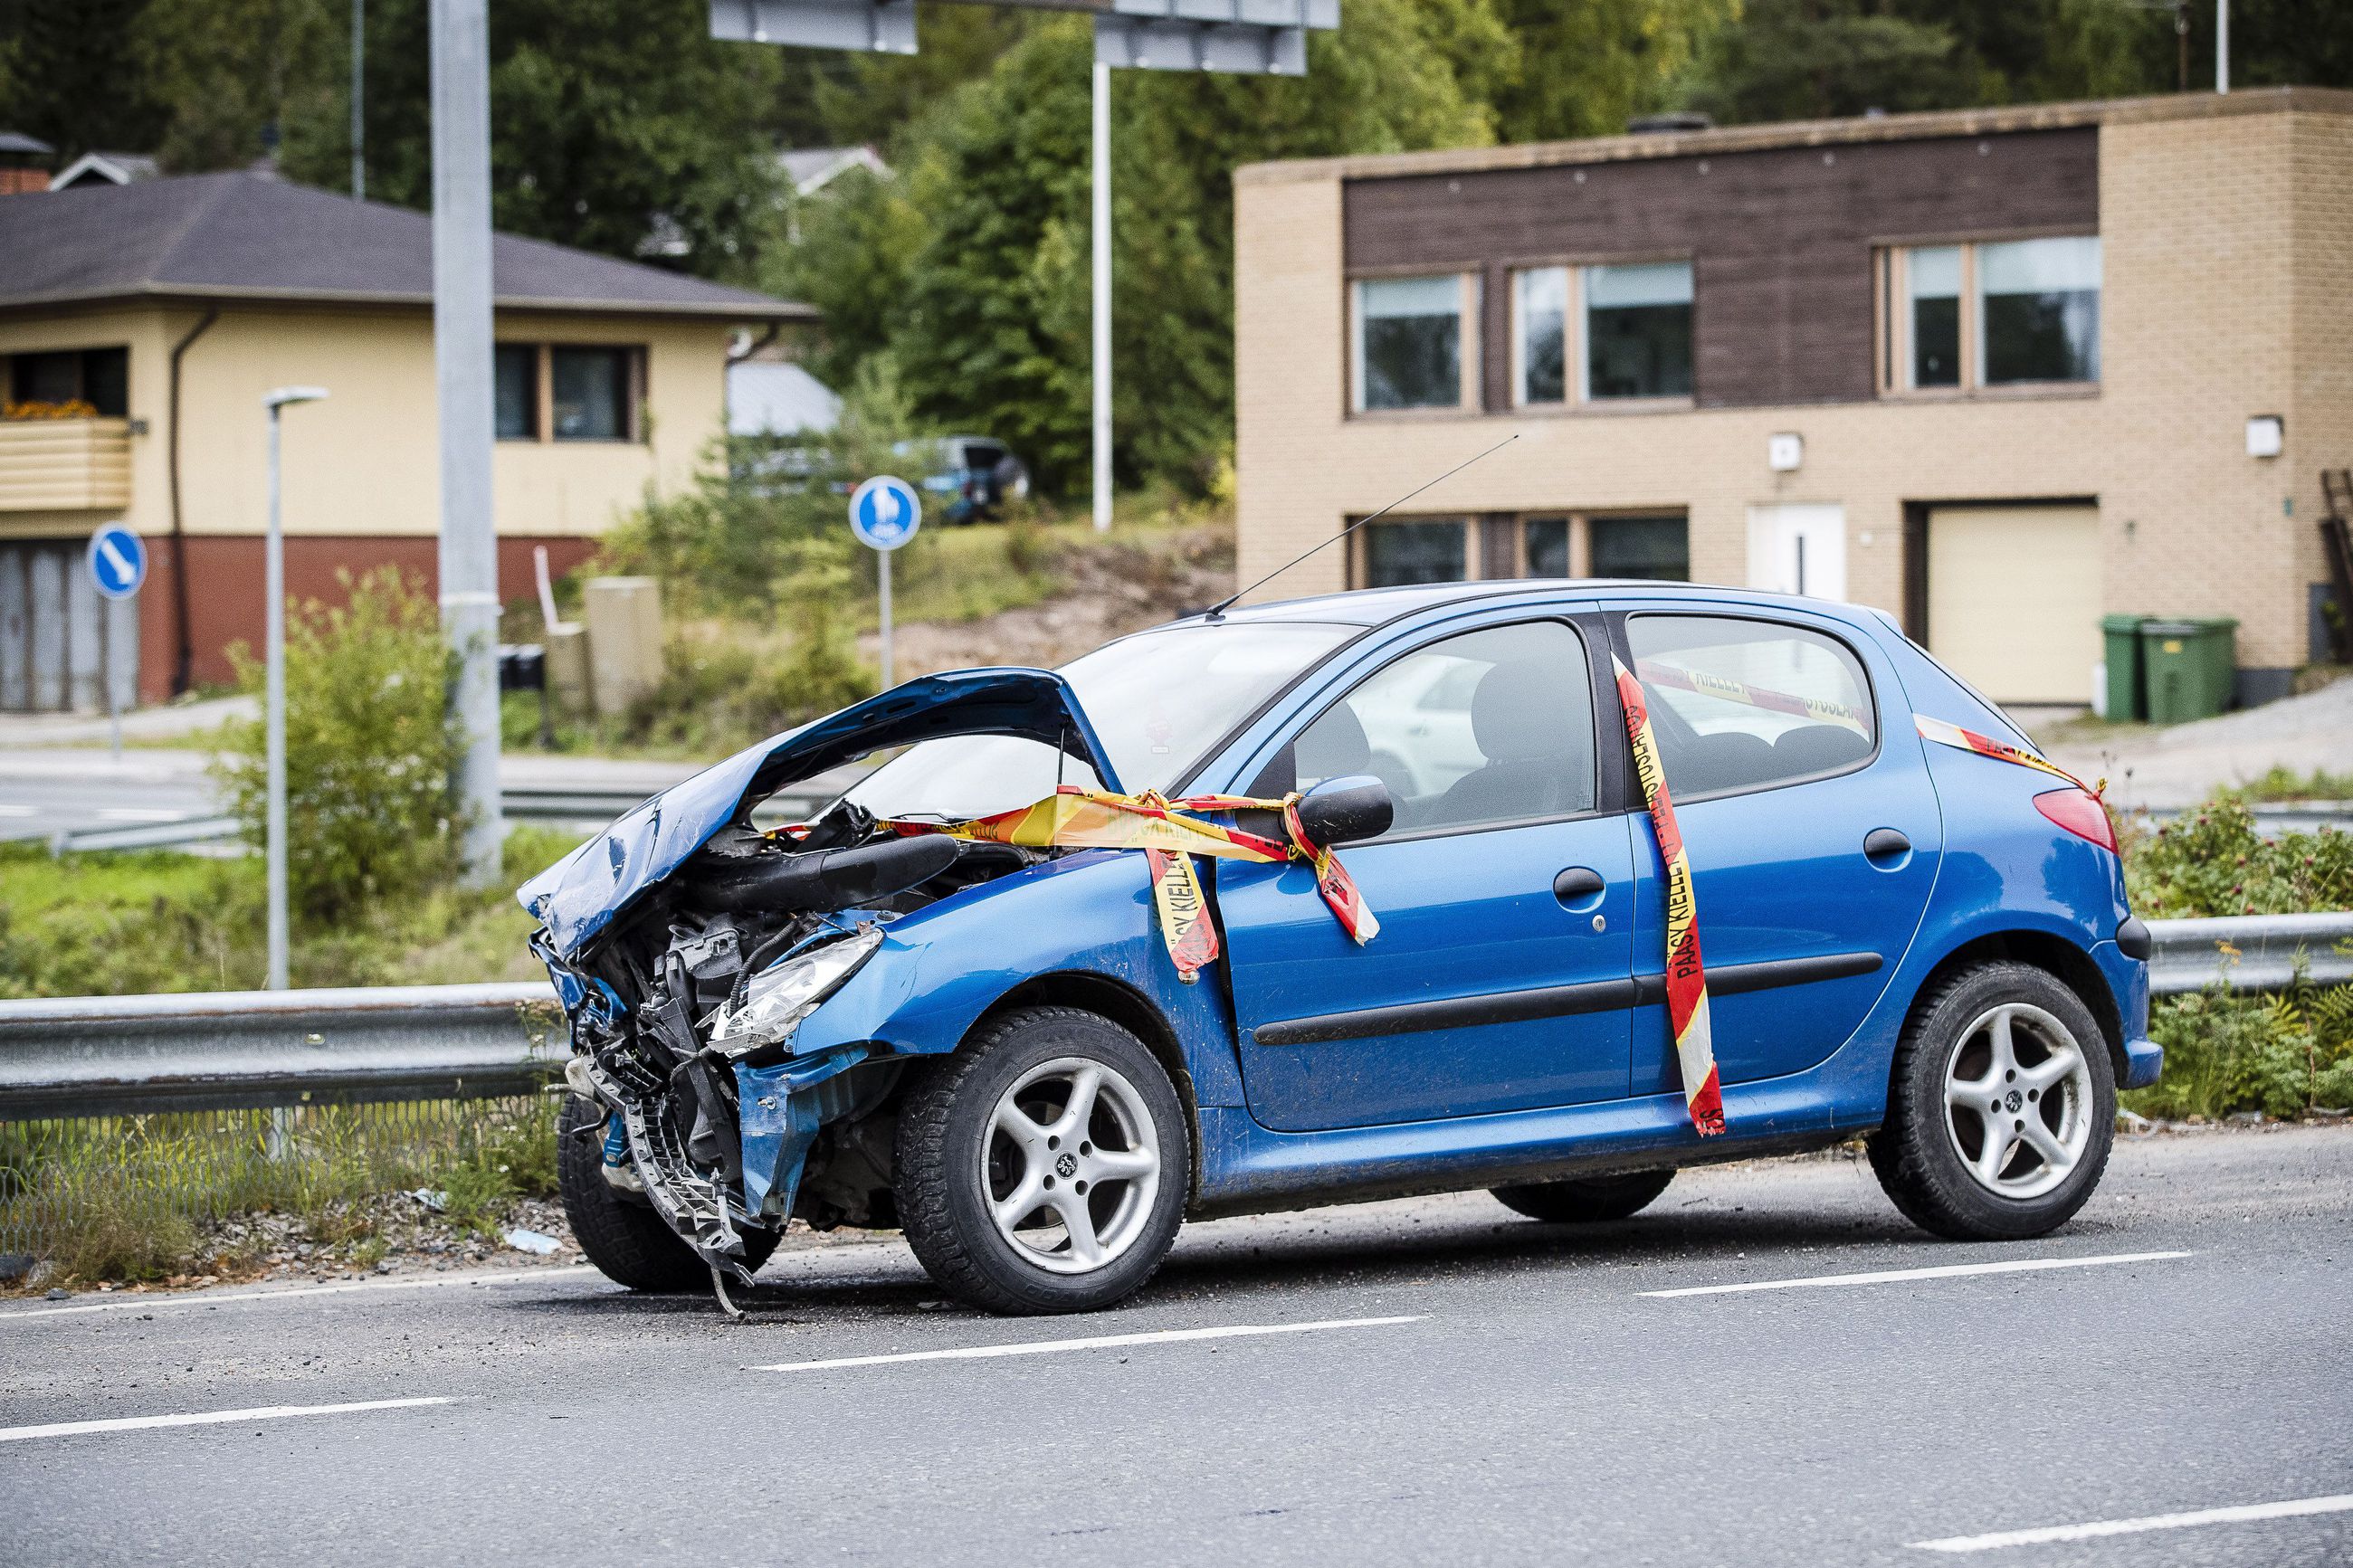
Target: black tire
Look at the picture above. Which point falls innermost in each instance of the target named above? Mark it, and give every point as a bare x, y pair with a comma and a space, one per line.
1917, 1154
1586, 1200
627, 1241
945, 1135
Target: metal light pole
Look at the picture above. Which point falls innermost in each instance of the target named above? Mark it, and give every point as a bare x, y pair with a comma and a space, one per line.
461, 361
2222, 46
359, 93
273, 702
1103, 293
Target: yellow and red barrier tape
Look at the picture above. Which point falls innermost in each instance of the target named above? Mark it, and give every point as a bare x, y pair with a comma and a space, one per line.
1170, 833
1687, 1010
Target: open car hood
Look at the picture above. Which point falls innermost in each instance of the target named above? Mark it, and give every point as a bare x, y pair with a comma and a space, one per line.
582, 893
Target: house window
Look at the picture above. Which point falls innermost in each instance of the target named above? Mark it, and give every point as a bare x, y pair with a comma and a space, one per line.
98, 377
2038, 311
1638, 330
516, 370
1396, 553
1541, 303
1545, 540
589, 394
1996, 313
1933, 286
1410, 343
1654, 548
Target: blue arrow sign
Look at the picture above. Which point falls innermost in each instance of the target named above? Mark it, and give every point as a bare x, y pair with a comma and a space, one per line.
884, 512
118, 560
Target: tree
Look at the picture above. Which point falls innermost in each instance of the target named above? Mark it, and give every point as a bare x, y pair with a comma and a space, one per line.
1587, 68
236, 72
1814, 60
69, 80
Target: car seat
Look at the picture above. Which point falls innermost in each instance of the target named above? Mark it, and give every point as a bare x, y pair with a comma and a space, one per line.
1539, 758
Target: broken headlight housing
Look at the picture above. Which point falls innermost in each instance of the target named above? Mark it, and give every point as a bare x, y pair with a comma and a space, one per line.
776, 1000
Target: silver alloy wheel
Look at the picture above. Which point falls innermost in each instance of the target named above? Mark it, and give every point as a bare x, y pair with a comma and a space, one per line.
2018, 1100
1071, 1165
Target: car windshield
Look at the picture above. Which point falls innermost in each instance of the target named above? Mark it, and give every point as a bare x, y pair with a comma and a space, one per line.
1157, 701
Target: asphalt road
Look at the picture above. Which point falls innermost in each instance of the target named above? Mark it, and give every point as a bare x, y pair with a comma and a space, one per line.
1534, 1402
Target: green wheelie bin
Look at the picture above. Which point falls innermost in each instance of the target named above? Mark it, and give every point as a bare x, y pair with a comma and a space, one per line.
2188, 667
2127, 694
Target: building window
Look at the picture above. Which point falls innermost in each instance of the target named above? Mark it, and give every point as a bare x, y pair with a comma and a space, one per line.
96, 378
1396, 553
2038, 311
1540, 297
516, 370
1638, 330
1654, 548
1545, 541
1933, 286
1410, 343
1996, 313
589, 394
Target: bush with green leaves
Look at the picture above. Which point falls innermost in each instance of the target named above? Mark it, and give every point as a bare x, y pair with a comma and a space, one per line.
2281, 1054
370, 746
2211, 861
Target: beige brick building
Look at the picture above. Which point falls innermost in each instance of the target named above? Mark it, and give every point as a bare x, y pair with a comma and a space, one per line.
2000, 372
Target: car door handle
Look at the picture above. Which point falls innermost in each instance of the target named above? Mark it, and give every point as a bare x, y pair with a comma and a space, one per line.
1579, 888
1885, 843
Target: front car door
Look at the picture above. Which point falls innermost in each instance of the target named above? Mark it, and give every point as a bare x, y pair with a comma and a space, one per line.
1501, 976
1813, 831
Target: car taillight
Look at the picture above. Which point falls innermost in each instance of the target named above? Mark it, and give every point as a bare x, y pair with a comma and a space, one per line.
2079, 811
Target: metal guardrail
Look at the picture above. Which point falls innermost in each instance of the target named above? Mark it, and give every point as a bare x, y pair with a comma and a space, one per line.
110, 1056
96, 1056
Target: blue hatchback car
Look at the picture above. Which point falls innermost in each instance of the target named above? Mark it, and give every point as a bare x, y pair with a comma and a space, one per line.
988, 1045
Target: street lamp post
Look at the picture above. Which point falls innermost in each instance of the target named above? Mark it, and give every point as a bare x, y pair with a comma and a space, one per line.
273, 702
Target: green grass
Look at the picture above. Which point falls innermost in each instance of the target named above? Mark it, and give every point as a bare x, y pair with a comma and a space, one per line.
2318, 784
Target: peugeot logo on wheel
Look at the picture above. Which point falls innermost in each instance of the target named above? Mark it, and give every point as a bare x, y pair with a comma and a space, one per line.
1067, 1166
2015, 1100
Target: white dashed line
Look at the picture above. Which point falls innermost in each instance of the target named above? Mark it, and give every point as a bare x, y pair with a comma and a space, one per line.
2246, 1514
1102, 1341
1894, 1276
129, 1303
205, 1418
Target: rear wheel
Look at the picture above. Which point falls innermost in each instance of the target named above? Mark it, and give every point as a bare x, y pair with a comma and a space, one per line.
1586, 1200
621, 1236
2002, 1107
1043, 1167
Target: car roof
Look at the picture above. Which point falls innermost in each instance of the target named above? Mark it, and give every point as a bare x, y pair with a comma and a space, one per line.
1378, 606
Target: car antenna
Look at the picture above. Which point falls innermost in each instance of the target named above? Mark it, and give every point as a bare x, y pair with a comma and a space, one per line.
1217, 612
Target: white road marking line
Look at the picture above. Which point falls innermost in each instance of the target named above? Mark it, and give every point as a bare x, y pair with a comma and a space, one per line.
139, 814
1948, 1271
1100, 1342
133, 1303
205, 1418
2339, 1504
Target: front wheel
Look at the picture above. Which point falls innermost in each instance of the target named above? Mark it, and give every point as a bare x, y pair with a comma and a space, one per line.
1043, 1168
2001, 1109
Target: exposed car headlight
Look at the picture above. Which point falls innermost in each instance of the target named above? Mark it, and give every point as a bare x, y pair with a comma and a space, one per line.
778, 999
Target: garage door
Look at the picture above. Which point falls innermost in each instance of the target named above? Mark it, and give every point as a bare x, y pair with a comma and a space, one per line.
2014, 599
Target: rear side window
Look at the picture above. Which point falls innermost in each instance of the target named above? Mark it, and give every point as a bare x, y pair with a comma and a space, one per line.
1489, 726
1741, 705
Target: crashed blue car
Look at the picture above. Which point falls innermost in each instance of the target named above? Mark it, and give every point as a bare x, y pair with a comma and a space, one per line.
1898, 922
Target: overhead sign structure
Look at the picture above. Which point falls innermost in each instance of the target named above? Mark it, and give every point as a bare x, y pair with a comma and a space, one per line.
884, 512
118, 560
1254, 37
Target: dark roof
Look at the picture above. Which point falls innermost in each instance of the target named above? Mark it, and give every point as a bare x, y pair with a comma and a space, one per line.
250, 236
17, 141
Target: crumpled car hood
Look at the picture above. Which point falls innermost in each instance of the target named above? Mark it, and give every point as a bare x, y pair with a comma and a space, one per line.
582, 894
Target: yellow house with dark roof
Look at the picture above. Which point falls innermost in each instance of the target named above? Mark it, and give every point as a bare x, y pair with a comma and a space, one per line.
140, 326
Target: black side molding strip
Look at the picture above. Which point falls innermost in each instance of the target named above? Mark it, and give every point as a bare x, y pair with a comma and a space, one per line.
1554, 1001
1734, 978
1451, 1013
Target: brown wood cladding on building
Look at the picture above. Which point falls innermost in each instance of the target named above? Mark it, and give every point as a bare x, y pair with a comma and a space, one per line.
1780, 240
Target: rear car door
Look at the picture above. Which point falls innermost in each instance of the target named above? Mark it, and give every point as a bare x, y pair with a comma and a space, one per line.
1488, 988
1812, 827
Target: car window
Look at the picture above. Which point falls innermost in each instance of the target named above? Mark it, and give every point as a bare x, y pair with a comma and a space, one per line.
1491, 726
1741, 704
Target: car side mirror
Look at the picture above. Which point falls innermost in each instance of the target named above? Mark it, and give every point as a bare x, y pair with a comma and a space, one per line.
1347, 811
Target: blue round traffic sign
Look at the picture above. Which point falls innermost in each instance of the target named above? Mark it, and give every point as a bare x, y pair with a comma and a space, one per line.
884, 512
118, 560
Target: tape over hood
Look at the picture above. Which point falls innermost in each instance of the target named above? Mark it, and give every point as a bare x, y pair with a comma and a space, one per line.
586, 890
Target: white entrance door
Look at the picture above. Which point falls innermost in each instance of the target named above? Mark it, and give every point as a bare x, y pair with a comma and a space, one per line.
1799, 548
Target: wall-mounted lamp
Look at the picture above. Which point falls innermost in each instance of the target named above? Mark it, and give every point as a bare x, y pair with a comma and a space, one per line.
1784, 454
2267, 436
